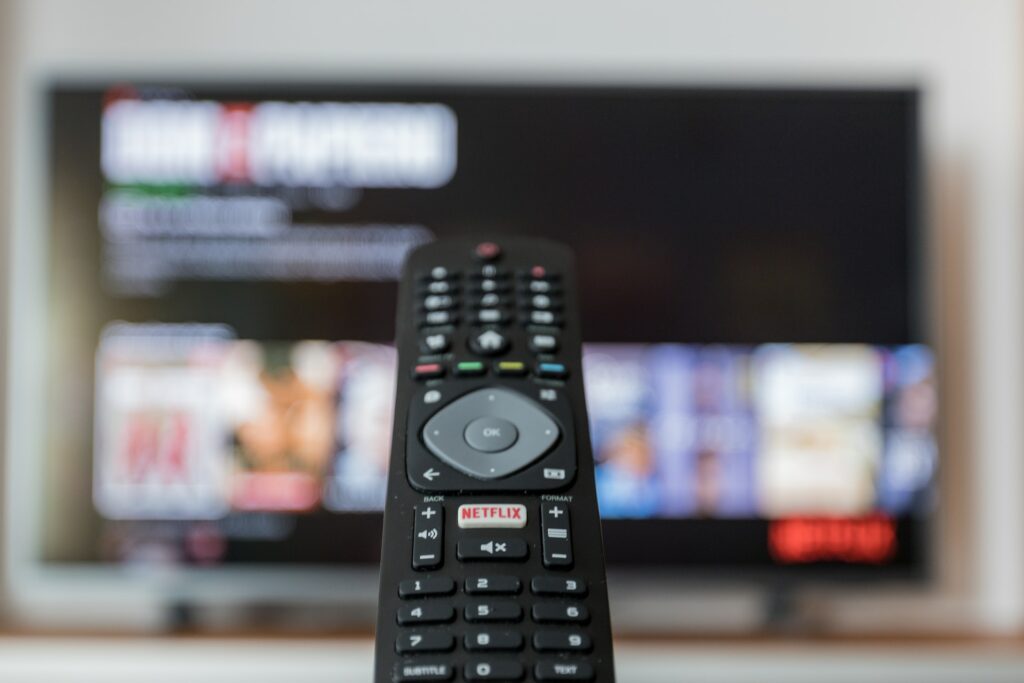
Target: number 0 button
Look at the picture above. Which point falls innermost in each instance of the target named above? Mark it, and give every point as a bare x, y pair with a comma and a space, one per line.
508, 670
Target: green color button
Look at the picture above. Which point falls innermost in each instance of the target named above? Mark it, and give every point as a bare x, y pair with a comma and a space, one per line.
470, 368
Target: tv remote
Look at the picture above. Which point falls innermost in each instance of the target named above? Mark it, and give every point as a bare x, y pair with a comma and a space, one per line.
493, 564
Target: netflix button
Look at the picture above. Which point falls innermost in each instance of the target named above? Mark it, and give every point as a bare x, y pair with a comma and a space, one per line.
492, 516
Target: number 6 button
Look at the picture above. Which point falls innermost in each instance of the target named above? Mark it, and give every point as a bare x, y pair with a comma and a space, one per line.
559, 612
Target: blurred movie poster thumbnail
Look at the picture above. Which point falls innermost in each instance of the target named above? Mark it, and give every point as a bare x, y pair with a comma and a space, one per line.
357, 481
819, 411
672, 430
192, 423
161, 447
911, 451
280, 402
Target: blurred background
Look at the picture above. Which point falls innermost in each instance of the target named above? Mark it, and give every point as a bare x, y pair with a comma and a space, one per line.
798, 227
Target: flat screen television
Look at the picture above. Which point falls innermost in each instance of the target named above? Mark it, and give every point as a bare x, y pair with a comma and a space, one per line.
219, 266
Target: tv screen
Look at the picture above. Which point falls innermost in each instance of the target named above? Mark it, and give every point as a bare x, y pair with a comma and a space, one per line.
221, 285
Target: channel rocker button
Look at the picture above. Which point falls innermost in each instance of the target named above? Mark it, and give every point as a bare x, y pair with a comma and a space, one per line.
492, 516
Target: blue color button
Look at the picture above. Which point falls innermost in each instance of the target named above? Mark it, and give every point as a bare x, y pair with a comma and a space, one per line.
554, 370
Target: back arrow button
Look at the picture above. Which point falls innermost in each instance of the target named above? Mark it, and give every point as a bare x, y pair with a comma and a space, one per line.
431, 474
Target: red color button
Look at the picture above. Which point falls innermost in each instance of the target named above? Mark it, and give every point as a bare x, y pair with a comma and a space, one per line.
538, 271
427, 370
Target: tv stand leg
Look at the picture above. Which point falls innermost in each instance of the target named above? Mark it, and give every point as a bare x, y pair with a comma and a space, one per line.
789, 611
180, 617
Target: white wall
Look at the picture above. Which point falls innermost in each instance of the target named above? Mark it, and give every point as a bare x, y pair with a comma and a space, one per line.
6, 160
966, 55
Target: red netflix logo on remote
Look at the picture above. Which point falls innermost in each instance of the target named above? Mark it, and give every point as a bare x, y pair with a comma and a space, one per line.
493, 512
492, 515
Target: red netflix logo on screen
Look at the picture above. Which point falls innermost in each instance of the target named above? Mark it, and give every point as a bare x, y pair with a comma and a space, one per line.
867, 540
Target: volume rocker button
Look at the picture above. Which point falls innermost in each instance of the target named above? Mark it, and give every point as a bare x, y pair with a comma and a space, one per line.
428, 537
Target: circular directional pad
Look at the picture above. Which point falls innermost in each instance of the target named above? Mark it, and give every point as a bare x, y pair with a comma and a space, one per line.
490, 433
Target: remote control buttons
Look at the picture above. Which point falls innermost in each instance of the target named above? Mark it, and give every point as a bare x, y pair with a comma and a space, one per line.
563, 671
426, 613
428, 371
487, 251
543, 343
511, 368
470, 368
427, 587
497, 284
444, 433
488, 342
552, 370
428, 537
425, 641
561, 641
493, 585
492, 516
487, 549
439, 273
491, 435
439, 287
412, 672
560, 612
499, 610
549, 318
489, 271
483, 641
494, 316
539, 287
435, 341
489, 300
438, 302
494, 670
556, 531
538, 297
557, 585
439, 318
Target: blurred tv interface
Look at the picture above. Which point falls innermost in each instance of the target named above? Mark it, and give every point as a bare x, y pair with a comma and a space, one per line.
222, 274
194, 424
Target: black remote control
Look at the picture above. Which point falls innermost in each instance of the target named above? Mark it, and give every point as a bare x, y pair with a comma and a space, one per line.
493, 563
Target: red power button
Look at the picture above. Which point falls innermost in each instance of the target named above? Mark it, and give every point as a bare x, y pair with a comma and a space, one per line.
488, 251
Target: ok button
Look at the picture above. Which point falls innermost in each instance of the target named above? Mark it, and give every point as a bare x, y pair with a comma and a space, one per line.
491, 434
